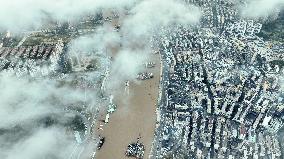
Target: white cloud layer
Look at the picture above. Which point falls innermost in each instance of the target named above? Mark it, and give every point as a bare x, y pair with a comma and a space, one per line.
41, 144
261, 8
150, 15
136, 29
24, 103
24, 100
26, 14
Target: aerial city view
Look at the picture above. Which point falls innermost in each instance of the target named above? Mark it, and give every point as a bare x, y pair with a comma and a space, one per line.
142, 79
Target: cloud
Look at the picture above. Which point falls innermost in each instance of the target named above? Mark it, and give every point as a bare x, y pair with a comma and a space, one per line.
150, 15
23, 99
97, 42
126, 66
281, 81
137, 28
261, 8
31, 14
26, 101
25, 104
132, 45
42, 144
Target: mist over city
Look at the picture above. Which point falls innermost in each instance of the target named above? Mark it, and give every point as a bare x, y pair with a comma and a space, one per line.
141, 79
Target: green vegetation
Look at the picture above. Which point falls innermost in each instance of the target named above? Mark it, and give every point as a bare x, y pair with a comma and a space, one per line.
93, 65
48, 121
10, 42
78, 124
274, 30
46, 38
280, 63
65, 32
